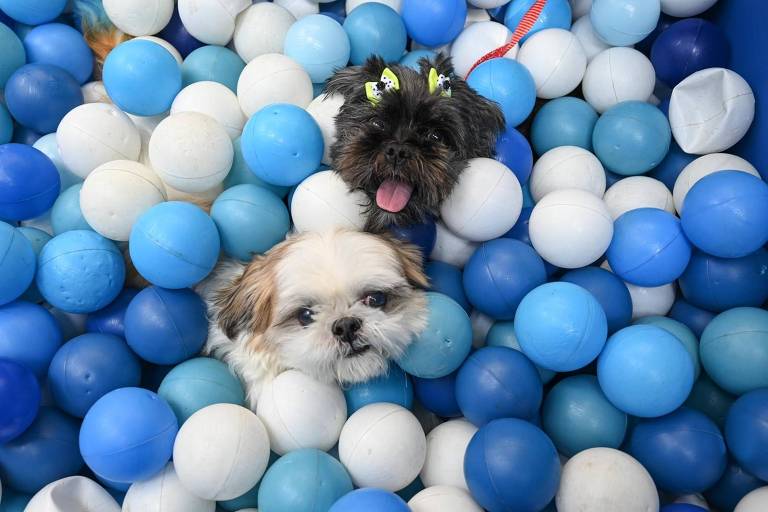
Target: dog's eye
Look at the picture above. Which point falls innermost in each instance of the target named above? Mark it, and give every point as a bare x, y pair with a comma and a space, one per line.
434, 136
304, 316
375, 299
377, 124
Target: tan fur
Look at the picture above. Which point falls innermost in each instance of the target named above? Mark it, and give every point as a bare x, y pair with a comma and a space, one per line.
101, 43
411, 260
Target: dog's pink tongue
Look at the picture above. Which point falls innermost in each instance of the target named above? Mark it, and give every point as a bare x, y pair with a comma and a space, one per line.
393, 195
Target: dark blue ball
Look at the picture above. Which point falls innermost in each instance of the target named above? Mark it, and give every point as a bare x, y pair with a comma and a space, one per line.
60, 45
682, 507
422, 236
29, 335
646, 44
176, 34
438, 395
672, 165
696, 319
688, 46
394, 387
111, 319
447, 279
30, 181
746, 430
734, 485
20, 396
514, 151
609, 290
23, 135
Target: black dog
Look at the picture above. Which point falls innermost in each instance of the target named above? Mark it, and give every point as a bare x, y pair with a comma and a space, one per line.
405, 144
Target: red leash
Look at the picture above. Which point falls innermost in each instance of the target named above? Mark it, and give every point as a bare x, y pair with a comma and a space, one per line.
525, 26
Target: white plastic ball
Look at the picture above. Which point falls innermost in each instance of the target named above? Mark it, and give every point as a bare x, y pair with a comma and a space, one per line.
443, 498
324, 110
711, 110
299, 8
693, 499
261, 29
115, 195
383, 445
221, 452
685, 8
139, 17
605, 480
590, 42
567, 167
476, 40
191, 152
446, 445
397, 5
570, 228
580, 7
451, 248
654, 301
323, 201
704, 166
95, 92
202, 199
755, 501
616, 75
72, 493
638, 192
273, 78
165, 44
485, 203
487, 4
214, 100
301, 412
556, 61
146, 126
164, 492
94, 134
211, 21
476, 16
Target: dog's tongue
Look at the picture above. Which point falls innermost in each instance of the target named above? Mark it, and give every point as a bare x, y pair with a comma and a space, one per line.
393, 195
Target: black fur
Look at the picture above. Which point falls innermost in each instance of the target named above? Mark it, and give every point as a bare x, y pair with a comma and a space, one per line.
440, 133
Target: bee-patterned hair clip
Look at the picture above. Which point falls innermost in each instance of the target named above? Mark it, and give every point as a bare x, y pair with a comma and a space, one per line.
439, 83
387, 83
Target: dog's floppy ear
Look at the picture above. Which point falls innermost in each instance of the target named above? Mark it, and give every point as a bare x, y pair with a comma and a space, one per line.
351, 81
247, 303
411, 261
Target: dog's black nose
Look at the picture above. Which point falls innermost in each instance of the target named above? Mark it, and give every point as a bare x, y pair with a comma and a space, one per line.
396, 152
346, 328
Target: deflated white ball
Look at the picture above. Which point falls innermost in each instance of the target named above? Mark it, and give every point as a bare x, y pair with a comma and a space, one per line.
485, 203
72, 493
567, 167
324, 110
383, 445
323, 201
191, 152
164, 493
556, 60
273, 78
211, 21
300, 412
590, 42
94, 134
115, 195
139, 17
221, 452
637, 192
444, 498
214, 100
476, 40
704, 166
446, 445
451, 248
261, 29
616, 75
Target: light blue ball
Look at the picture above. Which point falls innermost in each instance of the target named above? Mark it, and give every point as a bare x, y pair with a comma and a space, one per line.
66, 214
444, 344
577, 416
142, 77
556, 14
6, 125
48, 145
508, 83
375, 29
502, 334
29, 335
563, 121
624, 22
282, 144
60, 45
320, 44
632, 138
13, 55
645, 371
241, 174
33, 12
17, 263
212, 64
174, 245
38, 238
434, 22
394, 387
198, 383
412, 58
681, 332
251, 498
305, 480
80, 271
370, 498
251, 220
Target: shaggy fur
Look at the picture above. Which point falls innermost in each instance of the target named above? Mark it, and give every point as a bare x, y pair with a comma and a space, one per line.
100, 34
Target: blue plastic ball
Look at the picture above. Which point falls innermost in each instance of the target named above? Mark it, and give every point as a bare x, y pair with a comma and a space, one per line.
111, 319
39, 95
303, 481
176, 33
250, 219
23, 135
141, 77
498, 382
689, 46
556, 14
631, 138
198, 383
734, 485
624, 22
508, 83
577, 416
33, 12
394, 387
30, 182
708, 398
6, 125
645, 371
499, 274
609, 290
29, 335
47, 451
241, 174
717, 284
695, 318
369, 498
37, 238
726, 214
14, 501
214, 64
438, 395
684, 451
166, 326
563, 121
412, 58
645, 46
682, 507
66, 214
282, 144
48, 145
319, 44
88, 367
514, 151
128, 435
648, 247
445, 342
17, 263
746, 431
672, 165
13, 55
60, 45
251, 498
421, 235
502, 334
434, 22
20, 396
447, 279
512, 465
681, 332
174, 245
375, 29
80, 272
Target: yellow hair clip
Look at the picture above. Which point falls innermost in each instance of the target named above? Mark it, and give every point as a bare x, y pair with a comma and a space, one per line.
439, 82
388, 83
